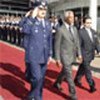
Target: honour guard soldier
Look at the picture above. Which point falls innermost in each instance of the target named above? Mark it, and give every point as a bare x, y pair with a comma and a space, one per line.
39, 48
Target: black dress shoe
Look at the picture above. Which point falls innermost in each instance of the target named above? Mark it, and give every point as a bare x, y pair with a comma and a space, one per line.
73, 98
30, 98
92, 89
57, 86
77, 83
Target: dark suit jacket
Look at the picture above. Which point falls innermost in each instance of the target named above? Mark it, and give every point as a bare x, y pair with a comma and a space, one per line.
87, 45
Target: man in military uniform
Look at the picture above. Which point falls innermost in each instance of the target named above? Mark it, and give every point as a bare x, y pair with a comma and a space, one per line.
39, 48
25, 44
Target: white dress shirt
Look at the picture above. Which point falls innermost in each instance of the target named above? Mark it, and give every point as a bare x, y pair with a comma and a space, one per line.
71, 27
43, 21
89, 33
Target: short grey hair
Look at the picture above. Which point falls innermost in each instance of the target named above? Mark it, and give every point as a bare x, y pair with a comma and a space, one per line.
68, 13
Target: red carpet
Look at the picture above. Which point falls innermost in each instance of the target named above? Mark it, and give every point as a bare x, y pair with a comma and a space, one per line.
14, 86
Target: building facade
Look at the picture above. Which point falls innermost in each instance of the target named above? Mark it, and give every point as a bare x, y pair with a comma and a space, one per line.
80, 7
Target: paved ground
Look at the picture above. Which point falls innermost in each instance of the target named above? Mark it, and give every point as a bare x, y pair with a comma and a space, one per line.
96, 66
1, 98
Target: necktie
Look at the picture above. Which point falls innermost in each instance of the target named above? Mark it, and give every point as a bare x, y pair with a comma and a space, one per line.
43, 23
71, 33
90, 35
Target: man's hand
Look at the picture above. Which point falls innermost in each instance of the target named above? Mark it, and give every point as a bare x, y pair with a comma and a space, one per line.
35, 12
59, 64
28, 13
80, 59
51, 60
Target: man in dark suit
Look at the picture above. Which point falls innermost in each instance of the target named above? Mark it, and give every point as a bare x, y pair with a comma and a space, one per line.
89, 42
39, 50
66, 47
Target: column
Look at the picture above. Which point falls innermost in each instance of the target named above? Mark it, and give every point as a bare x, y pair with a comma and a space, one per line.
93, 13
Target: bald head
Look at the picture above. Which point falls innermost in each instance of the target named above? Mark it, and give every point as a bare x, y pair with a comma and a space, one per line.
69, 17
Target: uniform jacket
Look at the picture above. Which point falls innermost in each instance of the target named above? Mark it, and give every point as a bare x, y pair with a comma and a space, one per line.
26, 37
39, 45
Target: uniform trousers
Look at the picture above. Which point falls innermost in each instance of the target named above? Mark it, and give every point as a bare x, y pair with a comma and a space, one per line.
37, 76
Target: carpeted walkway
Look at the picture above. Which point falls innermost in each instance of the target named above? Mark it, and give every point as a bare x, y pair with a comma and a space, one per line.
14, 87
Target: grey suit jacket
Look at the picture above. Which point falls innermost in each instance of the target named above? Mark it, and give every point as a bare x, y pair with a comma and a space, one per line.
65, 48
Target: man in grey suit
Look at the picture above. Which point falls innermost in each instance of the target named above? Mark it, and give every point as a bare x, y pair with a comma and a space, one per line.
66, 47
89, 42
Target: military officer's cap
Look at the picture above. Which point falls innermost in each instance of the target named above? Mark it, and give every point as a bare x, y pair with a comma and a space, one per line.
39, 3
